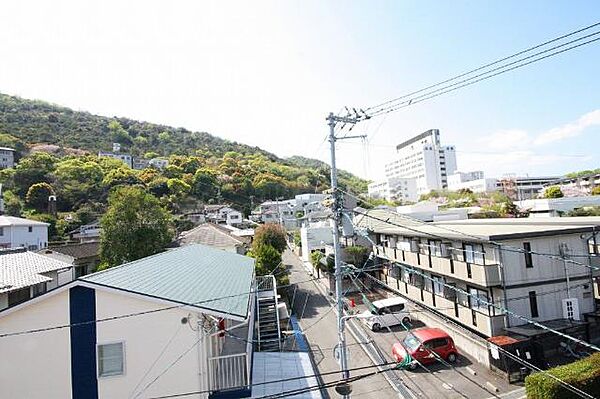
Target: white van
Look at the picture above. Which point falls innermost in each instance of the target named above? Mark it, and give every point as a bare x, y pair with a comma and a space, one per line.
386, 313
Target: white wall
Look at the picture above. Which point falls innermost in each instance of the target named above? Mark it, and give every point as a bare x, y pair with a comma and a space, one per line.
144, 338
315, 238
19, 236
36, 365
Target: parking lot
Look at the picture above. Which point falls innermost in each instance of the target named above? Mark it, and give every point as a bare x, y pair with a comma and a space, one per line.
437, 380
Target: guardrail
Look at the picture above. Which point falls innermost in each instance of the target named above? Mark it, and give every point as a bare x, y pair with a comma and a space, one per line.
227, 372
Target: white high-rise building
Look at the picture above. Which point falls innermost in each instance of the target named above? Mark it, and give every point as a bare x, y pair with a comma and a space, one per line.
424, 159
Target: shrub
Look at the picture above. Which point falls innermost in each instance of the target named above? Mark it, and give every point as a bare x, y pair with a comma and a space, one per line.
270, 234
584, 374
553, 192
596, 190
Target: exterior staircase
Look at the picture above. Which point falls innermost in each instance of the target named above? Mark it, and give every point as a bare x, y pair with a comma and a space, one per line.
269, 330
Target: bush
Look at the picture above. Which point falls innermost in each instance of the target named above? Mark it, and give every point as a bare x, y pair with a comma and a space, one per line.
270, 234
584, 374
553, 192
596, 190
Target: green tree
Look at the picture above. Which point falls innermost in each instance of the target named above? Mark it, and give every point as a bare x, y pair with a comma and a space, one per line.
596, 190
178, 188
37, 196
78, 180
12, 204
205, 184
135, 226
118, 134
357, 254
35, 168
121, 177
267, 259
270, 234
553, 192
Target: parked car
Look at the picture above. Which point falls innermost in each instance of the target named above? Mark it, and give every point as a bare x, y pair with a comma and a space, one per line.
386, 313
420, 344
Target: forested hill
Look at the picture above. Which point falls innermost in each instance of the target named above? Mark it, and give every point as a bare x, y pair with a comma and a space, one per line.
35, 122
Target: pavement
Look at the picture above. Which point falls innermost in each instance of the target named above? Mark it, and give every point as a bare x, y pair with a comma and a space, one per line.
318, 321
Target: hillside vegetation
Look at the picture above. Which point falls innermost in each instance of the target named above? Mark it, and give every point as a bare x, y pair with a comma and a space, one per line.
57, 148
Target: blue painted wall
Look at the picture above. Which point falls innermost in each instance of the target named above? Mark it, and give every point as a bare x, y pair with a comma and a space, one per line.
82, 309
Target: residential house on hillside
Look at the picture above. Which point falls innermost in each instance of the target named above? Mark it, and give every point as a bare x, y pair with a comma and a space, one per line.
127, 159
86, 232
24, 275
494, 260
192, 308
18, 232
214, 236
576, 186
222, 214
84, 256
7, 157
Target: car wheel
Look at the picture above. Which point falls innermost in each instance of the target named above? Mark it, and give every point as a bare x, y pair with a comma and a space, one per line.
412, 366
406, 321
451, 357
376, 327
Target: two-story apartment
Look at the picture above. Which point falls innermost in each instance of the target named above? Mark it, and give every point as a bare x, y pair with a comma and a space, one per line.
25, 275
178, 321
498, 261
7, 157
18, 232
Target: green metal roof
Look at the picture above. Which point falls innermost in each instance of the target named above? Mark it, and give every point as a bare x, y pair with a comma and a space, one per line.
195, 274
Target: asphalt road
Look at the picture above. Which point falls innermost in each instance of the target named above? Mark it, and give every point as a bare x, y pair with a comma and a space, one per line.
319, 323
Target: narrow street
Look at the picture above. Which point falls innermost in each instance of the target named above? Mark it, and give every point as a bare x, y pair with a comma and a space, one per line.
319, 323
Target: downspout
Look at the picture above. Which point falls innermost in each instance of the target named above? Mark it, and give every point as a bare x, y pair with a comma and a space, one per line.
503, 278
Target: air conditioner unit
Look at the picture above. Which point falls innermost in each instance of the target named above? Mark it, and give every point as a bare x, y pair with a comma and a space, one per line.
571, 309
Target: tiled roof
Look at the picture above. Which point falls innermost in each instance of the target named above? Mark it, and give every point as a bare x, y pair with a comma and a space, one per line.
211, 235
196, 275
23, 269
78, 250
15, 221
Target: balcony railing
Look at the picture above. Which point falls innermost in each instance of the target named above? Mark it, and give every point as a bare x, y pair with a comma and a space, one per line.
228, 372
483, 275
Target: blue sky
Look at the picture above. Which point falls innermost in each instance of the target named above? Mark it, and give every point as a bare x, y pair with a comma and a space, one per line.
267, 73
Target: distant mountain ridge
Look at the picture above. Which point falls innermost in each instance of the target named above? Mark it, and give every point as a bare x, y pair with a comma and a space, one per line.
40, 122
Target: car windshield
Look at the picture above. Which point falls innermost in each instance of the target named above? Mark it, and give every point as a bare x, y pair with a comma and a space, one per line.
411, 342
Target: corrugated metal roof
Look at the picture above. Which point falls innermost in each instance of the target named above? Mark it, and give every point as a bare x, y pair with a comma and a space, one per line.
23, 269
196, 274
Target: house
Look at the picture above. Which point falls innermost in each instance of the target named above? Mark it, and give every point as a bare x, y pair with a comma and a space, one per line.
222, 214
86, 232
315, 236
127, 159
491, 259
84, 256
18, 232
24, 275
159, 163
215, 236
7, 157
140, 163
178, 321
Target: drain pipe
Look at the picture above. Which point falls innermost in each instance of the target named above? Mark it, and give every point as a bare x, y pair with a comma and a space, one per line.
503, 277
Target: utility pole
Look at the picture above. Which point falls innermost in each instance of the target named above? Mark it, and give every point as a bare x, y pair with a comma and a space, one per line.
563, 253
337, 219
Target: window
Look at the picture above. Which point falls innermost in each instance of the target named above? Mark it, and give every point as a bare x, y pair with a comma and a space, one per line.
533, 304
436, 343
473, 253
435, 248
438, 285
39, 289
477, 298
111, 359
18, 296
528, 255
32, 247
30, 229
1, 231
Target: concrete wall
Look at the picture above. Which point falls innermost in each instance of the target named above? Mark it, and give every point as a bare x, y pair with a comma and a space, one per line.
36, 365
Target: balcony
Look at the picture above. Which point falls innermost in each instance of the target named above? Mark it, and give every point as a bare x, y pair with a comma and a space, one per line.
477, 319
482, 275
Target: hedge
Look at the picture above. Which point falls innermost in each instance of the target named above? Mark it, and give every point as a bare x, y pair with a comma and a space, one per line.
583, 374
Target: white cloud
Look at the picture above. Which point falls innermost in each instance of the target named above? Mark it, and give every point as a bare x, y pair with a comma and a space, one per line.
570, 129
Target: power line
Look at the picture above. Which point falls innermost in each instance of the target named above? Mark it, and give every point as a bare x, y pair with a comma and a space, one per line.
124, 316
487, 65
469, 82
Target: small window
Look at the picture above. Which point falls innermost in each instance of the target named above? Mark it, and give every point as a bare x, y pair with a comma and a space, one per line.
1, 231
30, 229
533, 304
436, 343
528, 256
111, 359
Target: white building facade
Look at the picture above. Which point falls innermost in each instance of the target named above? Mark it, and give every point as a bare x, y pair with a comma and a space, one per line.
474, 181
127, 159
425, 159
7, 157
395, 189
23, 233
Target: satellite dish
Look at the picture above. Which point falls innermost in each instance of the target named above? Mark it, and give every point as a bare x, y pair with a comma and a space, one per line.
343, 388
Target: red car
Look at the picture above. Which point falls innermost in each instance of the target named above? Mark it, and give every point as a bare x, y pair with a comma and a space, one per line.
420, 344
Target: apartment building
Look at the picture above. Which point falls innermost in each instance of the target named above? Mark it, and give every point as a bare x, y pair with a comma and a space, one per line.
523, 187
576, 186
395, 189
7, 157
127, 159
425, 159
418, 260
18, 232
